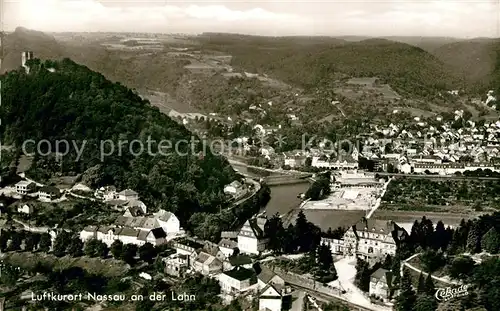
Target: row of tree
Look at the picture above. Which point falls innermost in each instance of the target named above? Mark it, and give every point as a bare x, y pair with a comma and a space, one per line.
449, 248
67, 243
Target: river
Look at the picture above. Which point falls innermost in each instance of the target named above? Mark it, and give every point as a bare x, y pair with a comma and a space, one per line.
283, 197
285, 202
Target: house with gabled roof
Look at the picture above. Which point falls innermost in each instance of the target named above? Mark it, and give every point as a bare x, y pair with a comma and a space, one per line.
207, 264
251, 238
128, 195
48, 193
24, 187
214, 250
133, 211
381, 284
372, 239
266, 276
228, 247
274, 297
137, 204
168, 221
237, 281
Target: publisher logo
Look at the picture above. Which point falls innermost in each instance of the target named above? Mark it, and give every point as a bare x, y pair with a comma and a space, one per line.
445, 294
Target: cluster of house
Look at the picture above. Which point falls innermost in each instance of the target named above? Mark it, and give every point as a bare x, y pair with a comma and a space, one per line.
420, 149
229, 262
45, 193
156, 229
323, 159
371, 240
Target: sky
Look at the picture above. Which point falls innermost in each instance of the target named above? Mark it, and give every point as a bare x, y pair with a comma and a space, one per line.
450, 18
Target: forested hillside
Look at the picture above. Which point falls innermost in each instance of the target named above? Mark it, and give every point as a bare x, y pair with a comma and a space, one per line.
76, 104
473, 60
408, 69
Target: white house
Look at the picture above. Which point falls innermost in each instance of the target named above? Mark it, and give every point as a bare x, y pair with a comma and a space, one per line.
295, 160
272, 296
405, 168
251, 239
236, 281
107, 193
335, 245
372, 239
25, 208
128, 195
233, 188
109, 234
48, 193
228, 247
381, 284
168, 221
24, 187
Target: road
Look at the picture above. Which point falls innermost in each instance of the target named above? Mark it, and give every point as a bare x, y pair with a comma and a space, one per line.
27, 227
443, 280
298, 304
328, 298
255, 190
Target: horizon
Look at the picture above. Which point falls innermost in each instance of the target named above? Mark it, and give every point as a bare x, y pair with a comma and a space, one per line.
253, 35
275, 18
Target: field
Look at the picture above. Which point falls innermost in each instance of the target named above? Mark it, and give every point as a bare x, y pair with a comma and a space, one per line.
452, 196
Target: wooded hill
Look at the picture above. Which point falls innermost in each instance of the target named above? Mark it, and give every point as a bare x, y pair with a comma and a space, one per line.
76, 104
477, 62
408, 69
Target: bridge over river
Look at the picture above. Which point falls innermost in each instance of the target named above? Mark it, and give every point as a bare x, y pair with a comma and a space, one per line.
272, 177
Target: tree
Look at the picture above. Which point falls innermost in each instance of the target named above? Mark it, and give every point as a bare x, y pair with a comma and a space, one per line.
326, 268
425, 303
159, 265
75, 247
117, 249
45, 242
147, 252
457, 242
430, 289
421, 284
388, 262
406, 299
16, 241
4, 240
90, 248
490, 241
29, 242
275, 231
319, 188
473, 239
461, 267
102, 249
362, 277
440, 237
61, 243
10, 275
129, 253
432, 260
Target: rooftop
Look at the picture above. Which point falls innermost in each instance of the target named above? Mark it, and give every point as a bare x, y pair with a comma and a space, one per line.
240, 274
